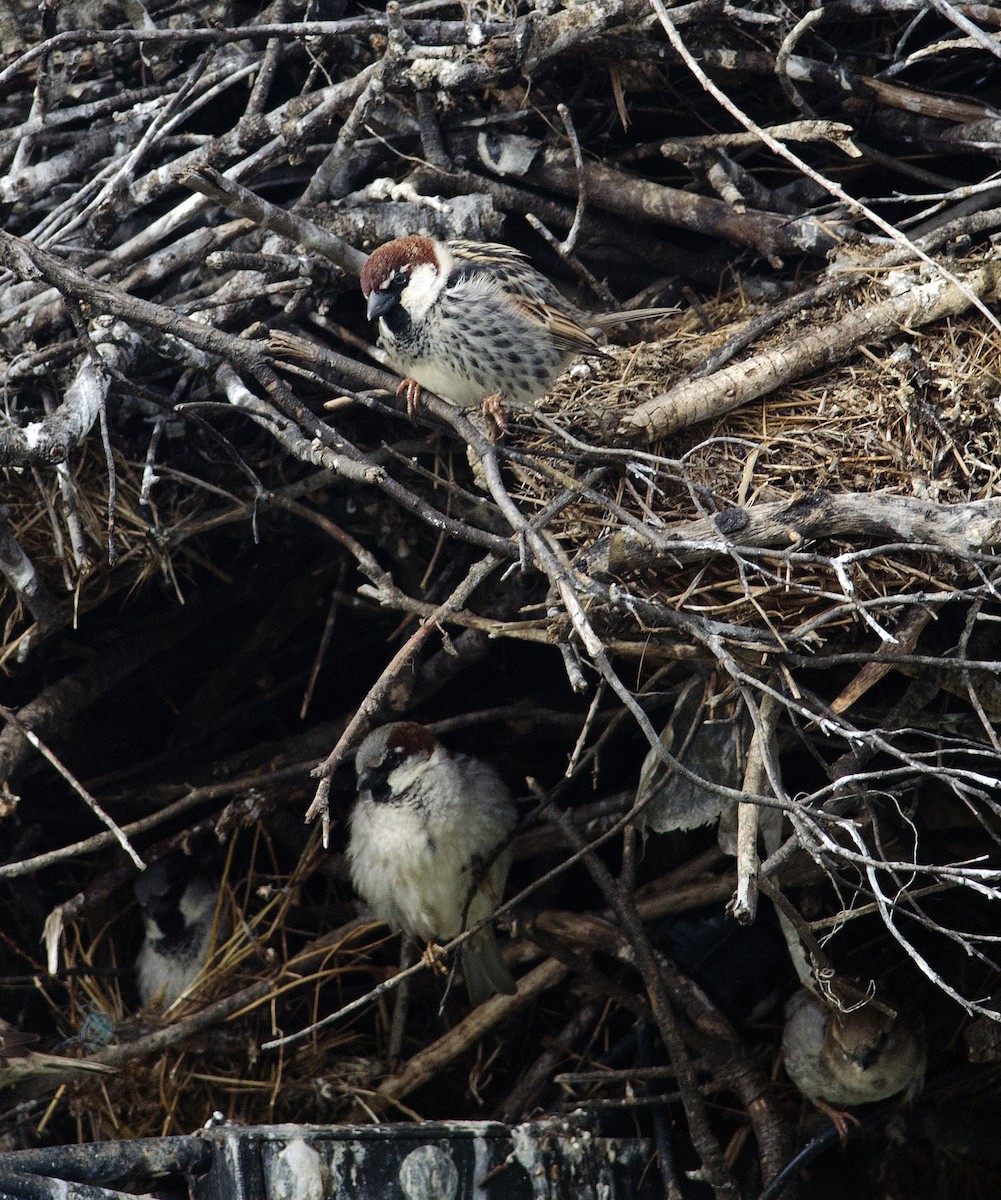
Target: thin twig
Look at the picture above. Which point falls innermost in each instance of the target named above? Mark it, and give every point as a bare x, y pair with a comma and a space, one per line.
117, 832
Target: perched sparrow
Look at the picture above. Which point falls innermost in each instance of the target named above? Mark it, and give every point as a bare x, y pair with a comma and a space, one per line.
178, 915
19, 1062
845, 1058
425, 822
472, 321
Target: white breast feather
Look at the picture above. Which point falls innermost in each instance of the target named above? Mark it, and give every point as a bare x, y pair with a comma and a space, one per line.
412, 861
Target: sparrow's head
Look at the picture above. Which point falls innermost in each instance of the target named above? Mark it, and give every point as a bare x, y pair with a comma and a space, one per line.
391, 757
158, 890
173, 899
861, 1035
408, 271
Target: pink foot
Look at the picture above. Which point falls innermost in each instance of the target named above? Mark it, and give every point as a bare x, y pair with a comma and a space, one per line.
412, 390
495, 417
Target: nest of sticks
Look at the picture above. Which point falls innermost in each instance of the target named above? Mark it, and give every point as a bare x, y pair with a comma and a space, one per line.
722, 608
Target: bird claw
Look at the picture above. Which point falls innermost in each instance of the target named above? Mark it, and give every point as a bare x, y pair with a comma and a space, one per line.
839, 1119
412, 390
433, 957
495, 417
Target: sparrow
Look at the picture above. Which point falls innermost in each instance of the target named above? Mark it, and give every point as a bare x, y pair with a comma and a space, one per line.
19, 1062
473, 322
427, 848
179, 919
841, 1059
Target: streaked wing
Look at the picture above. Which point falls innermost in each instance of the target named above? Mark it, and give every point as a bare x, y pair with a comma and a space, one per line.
528, 290
566, 333
509, 267
485, 252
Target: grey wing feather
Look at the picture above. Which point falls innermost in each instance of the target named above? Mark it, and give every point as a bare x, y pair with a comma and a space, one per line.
485, 971
513, 269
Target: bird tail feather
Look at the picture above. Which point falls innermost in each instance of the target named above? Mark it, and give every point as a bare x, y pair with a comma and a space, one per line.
485, 971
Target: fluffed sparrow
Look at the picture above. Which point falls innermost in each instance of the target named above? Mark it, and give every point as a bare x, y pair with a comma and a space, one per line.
18, 1061
179, 918
426, 848
473, 322
842, 1059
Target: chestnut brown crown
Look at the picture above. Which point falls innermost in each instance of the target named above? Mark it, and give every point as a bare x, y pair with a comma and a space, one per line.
396, 259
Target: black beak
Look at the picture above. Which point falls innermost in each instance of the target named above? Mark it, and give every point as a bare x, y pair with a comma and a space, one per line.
375, 781
381, 302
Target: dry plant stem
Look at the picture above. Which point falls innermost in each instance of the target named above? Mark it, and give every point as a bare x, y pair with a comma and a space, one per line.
733, 1067
327, 362
239, 199
573, 939
119, 102
569, 243
745, 899
526, 1093
678, 891
194, 799
907, 633
794, 131
269, 65
565, 583
773, 316
58, 541
103, 206
714, 1170
432, 142
30, 262
401, 1004
229, 1007
14, 721
51, 440
372, 95
889, 900
19, 571
375, 698
657, 899
698, 400
525, 42
363, 1001
43, 310
601, 290
184, 1027
960, 529
807, 954
783, 151
453, 181
951, 13
640, 200
426, 1064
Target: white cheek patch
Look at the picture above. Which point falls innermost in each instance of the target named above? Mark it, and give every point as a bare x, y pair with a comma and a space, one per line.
409, 772
422, 291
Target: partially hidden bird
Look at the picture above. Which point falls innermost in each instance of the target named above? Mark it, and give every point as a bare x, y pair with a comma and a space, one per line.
839, 1058
429, 845
19, 1061
475, 322
179, 917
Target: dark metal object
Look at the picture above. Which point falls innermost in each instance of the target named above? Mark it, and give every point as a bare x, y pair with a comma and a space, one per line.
462, 1160
91, 1170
